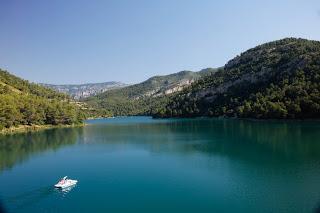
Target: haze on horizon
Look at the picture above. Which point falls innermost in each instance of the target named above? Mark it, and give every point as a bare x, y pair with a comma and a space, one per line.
78, 41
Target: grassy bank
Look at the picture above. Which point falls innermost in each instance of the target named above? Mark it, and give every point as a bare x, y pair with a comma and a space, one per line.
32, 128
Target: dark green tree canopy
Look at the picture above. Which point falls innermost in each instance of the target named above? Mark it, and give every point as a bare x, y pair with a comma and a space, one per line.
24, 103
280, 79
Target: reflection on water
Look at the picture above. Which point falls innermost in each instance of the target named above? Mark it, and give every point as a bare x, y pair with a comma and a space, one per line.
248, 140
141, 165
19, 147
64, 191
233, 138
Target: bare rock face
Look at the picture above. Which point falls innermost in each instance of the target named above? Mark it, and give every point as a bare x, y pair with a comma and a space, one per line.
166, 89
164, 85
246, 78
79, 91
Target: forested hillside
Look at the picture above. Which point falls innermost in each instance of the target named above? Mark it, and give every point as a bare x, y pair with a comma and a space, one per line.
24, 103
280, 79
145, 97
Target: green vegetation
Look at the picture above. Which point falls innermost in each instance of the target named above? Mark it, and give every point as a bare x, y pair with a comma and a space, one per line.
280, 79
122, 106
24, 103
143, 98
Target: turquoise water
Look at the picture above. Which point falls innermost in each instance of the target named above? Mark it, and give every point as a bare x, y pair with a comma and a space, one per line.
138, 164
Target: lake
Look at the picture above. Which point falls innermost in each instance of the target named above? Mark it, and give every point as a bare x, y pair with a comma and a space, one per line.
138, 164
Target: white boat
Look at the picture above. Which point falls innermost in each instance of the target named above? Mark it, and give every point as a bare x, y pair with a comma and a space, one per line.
65, 182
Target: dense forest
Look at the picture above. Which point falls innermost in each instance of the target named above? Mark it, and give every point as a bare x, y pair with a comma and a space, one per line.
280, 79
143, 98
24, 103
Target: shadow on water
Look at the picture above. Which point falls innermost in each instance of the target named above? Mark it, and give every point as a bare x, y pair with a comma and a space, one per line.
2, 210
17, 148
317, 209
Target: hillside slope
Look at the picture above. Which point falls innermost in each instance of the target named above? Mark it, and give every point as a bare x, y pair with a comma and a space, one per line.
24, 103
79, 91
280, 79
146, 96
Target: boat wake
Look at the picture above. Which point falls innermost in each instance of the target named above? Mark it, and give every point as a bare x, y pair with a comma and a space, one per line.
28, 198
64, 191
33, 197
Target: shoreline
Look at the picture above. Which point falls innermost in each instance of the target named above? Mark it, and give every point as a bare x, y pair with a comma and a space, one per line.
34, 128
215, 117
240, 118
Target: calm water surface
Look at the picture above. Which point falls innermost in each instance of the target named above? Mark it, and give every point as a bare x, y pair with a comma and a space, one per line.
137, 164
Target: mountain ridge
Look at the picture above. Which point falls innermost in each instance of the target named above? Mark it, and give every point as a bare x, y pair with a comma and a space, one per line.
142, 97
278, 79
79, 91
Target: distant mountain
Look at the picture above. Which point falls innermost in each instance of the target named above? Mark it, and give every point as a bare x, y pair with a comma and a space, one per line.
25, 103
79, 91
141, 98
279, 79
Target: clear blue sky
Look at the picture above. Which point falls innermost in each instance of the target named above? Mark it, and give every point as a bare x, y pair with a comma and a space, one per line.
77, 41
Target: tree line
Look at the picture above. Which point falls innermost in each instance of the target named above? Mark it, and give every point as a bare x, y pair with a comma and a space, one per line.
24, 103
279, 80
